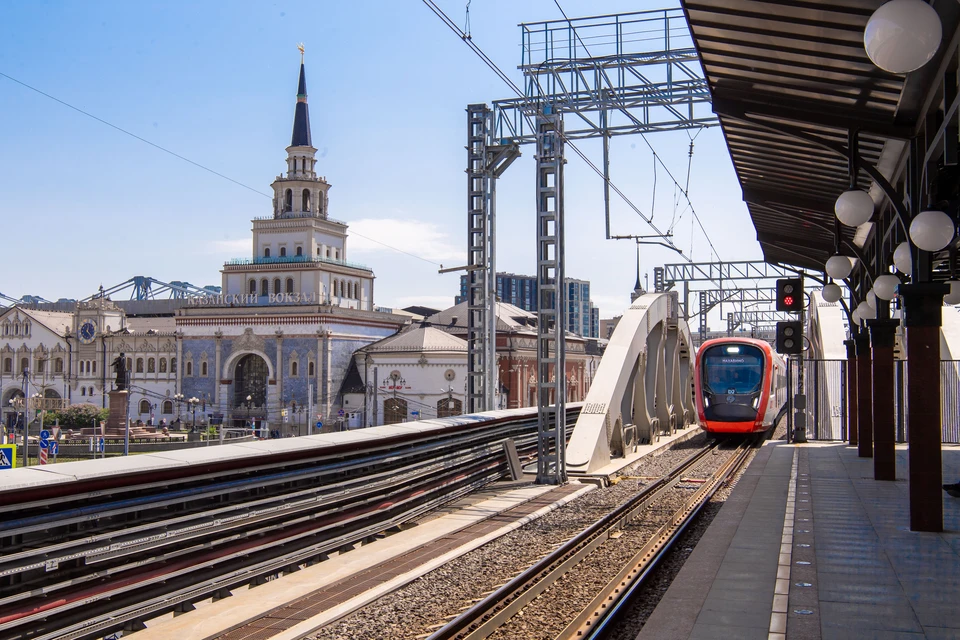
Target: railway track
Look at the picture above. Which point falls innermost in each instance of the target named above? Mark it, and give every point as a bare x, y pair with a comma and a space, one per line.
577, 590
83, 565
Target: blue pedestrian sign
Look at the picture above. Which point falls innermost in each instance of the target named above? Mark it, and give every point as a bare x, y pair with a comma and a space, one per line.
44, 435
100, 445
8, 456
319, 425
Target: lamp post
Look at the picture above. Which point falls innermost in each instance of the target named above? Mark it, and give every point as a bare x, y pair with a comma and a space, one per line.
299, 419
249, 416
192, 405
178, 397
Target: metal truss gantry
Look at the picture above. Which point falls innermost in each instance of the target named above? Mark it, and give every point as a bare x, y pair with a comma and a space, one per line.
639, 73
147, 288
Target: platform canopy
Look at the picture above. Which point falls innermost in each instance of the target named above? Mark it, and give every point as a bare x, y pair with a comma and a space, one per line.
789, 80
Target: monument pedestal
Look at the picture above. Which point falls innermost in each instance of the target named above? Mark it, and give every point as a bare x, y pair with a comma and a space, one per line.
119, 403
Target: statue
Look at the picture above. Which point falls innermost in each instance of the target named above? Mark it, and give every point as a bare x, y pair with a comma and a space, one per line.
120, 364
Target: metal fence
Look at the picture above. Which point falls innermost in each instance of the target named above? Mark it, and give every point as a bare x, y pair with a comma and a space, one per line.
823, 383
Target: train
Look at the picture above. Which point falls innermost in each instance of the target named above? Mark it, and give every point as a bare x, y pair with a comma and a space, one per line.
740, 386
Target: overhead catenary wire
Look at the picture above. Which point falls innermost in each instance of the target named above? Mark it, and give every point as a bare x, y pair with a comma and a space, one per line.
188, 160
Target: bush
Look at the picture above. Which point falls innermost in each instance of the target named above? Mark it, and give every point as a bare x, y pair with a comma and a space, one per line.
78, 416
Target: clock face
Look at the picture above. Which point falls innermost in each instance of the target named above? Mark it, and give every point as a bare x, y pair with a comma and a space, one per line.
87, 332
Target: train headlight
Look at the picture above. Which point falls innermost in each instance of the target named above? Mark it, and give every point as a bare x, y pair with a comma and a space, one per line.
756, 402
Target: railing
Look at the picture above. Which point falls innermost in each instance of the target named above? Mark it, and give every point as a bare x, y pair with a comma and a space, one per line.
294, 260
288, 215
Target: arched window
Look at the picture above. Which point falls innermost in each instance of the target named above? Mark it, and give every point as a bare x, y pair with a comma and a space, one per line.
151, 365
266, 252
318, 252
288, 200
58, 365
173, 365
8, 365
24, 364
41, 364
299, 251
163, 365
310, 370
328, 252
264, 288
283, 252
276, 286
289, 285
336, 254
305, 200
94, 366
144, 406
294, 369
129, 364
83, 391
203, 369
167, 407
253, 287
189, 368
139, 365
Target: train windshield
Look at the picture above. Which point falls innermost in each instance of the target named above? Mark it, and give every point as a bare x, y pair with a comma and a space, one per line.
732, 369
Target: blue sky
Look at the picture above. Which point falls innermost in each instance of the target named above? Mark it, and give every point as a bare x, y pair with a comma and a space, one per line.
84, 205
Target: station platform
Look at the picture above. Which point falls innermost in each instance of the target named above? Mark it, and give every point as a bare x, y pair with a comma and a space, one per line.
809, 546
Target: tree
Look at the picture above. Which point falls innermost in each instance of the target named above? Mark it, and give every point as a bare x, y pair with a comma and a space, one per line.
78, 416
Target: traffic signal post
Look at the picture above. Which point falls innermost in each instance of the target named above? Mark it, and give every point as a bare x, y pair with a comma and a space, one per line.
790, 297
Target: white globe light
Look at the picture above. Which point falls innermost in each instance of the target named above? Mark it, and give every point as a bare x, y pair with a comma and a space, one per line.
885, 286
932, 230
839, 267
856, 316
872, 299
954, 296
831, 292
866, 311
902, 35
902, 259
854, 207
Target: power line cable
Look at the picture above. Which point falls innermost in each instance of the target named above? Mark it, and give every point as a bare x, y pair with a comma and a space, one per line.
188, 160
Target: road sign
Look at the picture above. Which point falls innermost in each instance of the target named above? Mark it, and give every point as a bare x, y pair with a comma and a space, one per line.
8, 456
44, 443
44, 435
319, 425
101, 445
54, 448
414, 413
340, 413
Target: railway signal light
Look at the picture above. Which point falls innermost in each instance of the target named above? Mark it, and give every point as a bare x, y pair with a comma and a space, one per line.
790, 337
790, 294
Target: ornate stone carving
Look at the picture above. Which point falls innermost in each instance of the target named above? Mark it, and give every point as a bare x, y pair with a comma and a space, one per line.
249, 342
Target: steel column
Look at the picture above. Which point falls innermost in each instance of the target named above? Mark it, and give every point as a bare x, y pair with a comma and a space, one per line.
479, 362
551, 310
864, 396
922, 304
852, 409
882, 334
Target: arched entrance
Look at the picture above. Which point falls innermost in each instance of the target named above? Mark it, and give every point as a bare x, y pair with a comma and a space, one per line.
449, 407
250, 376
394, 410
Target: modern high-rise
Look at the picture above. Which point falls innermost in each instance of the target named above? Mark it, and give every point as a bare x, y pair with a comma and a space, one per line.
521, 291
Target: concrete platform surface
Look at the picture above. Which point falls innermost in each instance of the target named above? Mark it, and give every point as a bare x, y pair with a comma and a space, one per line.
810, 546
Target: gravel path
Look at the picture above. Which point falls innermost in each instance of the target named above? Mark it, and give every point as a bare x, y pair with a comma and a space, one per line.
432, 599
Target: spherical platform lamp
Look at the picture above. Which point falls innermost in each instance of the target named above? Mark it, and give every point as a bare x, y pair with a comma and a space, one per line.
902, 35
885, 286
872, 299
932, 230
902, 259
831, 292
839, 267
866, 312
855, 316
854, 207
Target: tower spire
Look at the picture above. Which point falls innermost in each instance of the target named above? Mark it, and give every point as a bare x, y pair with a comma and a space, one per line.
301, 118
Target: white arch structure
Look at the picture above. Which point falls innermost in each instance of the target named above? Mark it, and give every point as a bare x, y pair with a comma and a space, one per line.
644, 379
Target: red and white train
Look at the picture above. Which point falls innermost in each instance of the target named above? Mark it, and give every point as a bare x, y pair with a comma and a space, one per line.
740, 385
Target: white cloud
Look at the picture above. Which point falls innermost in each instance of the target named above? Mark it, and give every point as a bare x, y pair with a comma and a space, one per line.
238, 248
423, 239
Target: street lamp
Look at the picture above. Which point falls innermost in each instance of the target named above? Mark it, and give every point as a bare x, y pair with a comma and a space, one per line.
192, 404
178, 397
249, 415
